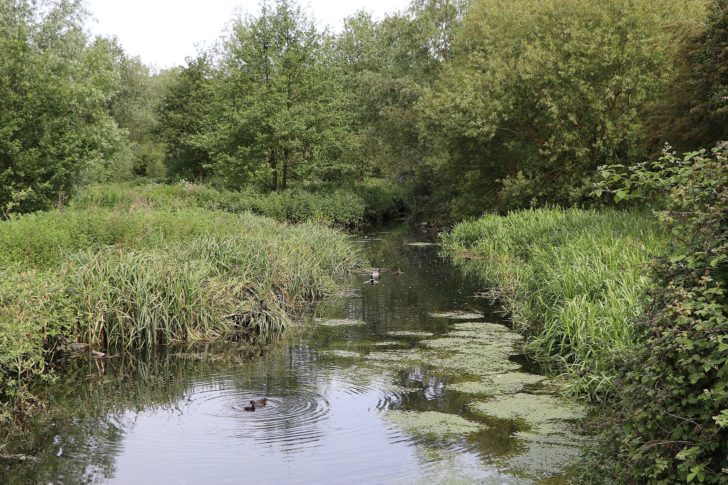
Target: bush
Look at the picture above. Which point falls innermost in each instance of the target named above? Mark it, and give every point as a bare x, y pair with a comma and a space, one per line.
669, 422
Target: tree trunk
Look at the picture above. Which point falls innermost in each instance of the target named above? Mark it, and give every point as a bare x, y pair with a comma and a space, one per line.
273, 160
284, 181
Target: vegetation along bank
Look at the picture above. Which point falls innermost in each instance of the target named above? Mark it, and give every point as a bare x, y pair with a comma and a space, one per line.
142, 207
128, 280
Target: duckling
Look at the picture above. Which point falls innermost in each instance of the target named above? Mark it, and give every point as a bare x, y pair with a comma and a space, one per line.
376, 274
261, 402
251, 407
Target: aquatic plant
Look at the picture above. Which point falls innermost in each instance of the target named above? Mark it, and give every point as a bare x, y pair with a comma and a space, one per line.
432, 424
129, 280
571, 280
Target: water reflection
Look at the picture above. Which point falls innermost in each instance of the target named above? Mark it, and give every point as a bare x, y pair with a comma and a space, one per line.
177, 416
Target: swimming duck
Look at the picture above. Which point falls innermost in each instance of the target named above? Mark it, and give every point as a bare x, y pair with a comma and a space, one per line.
261, 402
376, 273
251, 407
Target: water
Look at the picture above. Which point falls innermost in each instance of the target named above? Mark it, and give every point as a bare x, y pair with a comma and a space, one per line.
338, 394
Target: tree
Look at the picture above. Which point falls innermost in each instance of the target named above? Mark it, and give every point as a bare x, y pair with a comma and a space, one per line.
135, 108
54, 91
283, 118
185, 119
692, 111
538, 94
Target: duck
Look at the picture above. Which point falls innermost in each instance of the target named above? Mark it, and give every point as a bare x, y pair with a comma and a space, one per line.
261, 402
398, 272
251, 407
376, 274
371, 281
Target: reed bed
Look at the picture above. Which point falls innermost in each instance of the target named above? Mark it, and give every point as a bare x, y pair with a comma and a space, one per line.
143, 278
365, 202
572, 280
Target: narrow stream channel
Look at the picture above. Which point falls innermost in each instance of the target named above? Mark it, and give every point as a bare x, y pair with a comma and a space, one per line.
383, 387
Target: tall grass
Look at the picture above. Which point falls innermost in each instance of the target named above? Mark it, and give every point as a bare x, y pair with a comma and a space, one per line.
141, 278
368, 201
571, 279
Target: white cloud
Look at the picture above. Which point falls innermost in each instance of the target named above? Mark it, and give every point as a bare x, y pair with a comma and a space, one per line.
164, 32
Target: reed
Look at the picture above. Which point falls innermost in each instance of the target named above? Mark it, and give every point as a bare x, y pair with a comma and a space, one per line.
143, 278
572, 280
367, 201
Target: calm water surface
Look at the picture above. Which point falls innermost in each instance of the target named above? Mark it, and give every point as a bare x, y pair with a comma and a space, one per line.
178, 417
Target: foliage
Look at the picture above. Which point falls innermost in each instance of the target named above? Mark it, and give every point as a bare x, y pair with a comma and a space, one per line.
134, 108
140, 278
545, 91
668, 420
184, 118
571, 280
692, 112
373, 200
54, 90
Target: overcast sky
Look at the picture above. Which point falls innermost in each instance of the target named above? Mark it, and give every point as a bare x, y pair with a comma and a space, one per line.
164, 32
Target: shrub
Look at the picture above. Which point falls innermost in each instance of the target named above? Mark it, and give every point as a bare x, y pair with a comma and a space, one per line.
669, 422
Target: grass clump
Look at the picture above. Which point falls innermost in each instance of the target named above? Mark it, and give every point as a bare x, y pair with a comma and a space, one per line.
571, 279
142, 278
367, 202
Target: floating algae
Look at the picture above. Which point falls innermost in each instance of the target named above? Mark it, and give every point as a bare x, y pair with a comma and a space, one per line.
410, 333
338, 322
457, 315
432, 424
551, 445
542, 412
421, 244
477, 363
508, 383
387, 343
399, 356
542, 460
340, 353
477, 349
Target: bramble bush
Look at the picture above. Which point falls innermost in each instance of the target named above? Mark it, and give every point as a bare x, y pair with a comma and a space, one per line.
669, 422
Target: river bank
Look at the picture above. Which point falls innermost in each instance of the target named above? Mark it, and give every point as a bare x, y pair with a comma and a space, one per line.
112, 281
409, 379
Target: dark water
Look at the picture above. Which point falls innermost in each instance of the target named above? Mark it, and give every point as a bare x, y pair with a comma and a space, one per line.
178, 417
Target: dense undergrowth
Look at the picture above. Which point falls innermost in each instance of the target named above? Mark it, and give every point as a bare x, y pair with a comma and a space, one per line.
138, 278
669, 421
571, 279
372, 200
632, 306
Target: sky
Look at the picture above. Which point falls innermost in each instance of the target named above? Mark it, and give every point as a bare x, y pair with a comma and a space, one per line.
163, 32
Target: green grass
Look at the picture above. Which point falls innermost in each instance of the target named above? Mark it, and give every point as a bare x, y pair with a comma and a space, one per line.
139, 278
572, 280
369, 201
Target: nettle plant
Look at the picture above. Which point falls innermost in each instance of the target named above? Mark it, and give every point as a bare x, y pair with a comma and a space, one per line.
670, 419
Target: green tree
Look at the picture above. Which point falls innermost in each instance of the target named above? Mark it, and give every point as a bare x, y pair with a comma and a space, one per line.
54, 92
185, 119
538, 94
283, 119
135, 109
692, 111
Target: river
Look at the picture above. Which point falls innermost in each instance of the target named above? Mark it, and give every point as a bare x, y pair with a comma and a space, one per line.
408, 380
